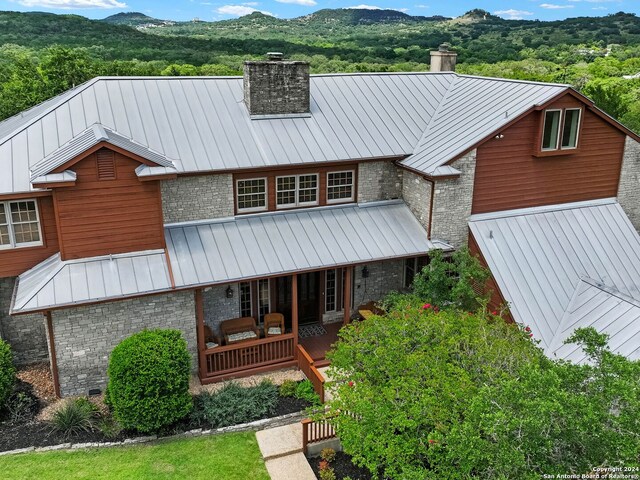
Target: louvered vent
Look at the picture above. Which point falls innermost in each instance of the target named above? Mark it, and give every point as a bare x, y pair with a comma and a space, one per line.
106, 165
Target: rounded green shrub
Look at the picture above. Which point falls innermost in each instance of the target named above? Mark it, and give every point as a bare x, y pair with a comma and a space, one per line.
7, 372
149, 380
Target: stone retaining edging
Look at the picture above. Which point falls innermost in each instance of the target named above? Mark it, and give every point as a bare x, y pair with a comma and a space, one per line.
198, 432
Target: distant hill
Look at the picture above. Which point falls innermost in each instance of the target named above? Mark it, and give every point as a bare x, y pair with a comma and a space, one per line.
366, 36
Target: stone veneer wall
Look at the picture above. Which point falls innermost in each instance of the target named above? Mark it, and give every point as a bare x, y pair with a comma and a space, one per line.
85, 336
452, 203
629, 187
384, 277
200, 197
217, 307
25, 333
416, 192
378, 180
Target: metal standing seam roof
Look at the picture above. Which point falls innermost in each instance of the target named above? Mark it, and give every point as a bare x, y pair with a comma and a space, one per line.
56, 283
91, 137
608, 312
472, 109
540, 256
203, 124
252, 246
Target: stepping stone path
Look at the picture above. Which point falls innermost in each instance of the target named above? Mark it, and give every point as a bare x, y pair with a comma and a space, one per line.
281, 448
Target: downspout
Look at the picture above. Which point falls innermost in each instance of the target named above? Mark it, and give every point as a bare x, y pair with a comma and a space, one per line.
433, 196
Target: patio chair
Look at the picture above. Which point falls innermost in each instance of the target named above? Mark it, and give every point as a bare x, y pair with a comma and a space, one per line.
273, 324
239, 330
211, 340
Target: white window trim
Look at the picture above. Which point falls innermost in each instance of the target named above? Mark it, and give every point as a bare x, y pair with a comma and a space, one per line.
559, 136
296, 191
266, 195
353, 187
12, 239
564, 119
335, 291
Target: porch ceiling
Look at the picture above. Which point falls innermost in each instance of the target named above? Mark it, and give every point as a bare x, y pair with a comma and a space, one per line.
251, 246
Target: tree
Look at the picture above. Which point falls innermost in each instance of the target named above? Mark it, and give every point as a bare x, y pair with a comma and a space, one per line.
448, 394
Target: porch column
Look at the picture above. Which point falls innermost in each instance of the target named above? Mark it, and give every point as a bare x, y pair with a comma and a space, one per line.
202, 361
52, 354
294, 310
348, 272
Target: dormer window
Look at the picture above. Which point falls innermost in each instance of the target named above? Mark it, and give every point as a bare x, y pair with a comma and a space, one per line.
561, 129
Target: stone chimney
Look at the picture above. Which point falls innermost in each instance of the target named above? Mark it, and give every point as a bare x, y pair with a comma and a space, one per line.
443, 59
276, 86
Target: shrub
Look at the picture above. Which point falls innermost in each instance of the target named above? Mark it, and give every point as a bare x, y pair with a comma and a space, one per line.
21, 406
149, 380
305, 391
109, 427
288, 388
328, 454
327, 474
7, 372
75, 416
233, 404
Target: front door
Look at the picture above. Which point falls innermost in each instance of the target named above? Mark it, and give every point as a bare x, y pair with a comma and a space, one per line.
308, 298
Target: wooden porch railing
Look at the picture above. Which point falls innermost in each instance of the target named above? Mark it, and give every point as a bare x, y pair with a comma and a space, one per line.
315, 431
305, 363
244, 356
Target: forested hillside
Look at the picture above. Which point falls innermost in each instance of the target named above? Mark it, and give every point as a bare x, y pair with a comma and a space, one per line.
43, 54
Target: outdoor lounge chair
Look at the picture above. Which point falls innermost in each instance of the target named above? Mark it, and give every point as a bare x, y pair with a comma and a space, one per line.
273, 324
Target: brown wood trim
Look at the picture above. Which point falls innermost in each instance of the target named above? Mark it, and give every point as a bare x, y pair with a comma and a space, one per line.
97, 147
294, 310
431, 202
151, 178
52, 355
56, 212
24, 195
54, 185
202, 361
169, 268
347, 295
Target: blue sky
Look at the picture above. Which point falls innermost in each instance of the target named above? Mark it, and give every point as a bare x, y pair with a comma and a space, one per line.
223, 9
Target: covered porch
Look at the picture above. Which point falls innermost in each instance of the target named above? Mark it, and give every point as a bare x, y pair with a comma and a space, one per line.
301, 302
311, 268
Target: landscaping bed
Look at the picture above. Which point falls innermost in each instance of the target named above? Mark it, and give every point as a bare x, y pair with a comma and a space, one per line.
28, 422
342, 467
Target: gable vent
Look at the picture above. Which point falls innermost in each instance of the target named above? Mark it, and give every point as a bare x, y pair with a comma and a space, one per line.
106, 165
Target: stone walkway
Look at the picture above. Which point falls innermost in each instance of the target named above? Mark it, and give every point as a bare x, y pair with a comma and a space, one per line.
281, 449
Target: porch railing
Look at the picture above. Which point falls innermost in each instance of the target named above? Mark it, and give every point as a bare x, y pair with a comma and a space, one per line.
305, 363
314, 431
243, 356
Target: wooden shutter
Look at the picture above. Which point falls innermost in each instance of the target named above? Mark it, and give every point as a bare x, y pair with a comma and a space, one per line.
106, 164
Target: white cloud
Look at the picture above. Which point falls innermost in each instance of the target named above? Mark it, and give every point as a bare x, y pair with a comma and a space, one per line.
251, 4
513, 14
365, 7
71, 4
239, 10
421, 6
599, 8
306, 3
553, 6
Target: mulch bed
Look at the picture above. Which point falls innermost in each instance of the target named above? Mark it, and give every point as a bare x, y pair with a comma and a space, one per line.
30, 432
342, 467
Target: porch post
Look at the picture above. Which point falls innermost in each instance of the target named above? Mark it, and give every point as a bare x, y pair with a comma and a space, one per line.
202, 361
52, 354
347, 294
294, 310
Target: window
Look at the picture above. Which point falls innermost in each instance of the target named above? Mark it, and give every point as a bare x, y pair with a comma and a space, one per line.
264, 300
297, 190
561, 129
570, 128
246, 307
252, 194
413, 266
551, 129
19, 224
340, 186
330, 290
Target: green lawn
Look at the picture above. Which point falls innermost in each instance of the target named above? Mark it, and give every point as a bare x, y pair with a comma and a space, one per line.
226, 457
